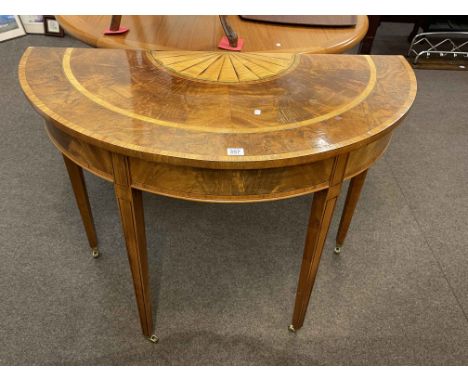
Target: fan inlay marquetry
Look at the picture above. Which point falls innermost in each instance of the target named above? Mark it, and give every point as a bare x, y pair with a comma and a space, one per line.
225, 67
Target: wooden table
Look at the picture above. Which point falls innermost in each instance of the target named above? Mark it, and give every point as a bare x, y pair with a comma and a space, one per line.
218, 127
205, 32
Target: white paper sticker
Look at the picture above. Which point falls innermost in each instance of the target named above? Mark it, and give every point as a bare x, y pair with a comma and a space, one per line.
235, 151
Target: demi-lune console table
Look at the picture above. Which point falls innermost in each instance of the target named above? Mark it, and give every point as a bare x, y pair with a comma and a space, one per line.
223, 127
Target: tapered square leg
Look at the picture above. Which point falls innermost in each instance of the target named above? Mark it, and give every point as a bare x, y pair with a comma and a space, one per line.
131, 214
77, 180
352, 197
323, 206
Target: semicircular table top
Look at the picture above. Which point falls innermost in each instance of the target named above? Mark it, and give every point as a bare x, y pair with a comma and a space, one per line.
191, 106
205, 32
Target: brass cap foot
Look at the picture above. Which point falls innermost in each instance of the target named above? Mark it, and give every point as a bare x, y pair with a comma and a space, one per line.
337, 250
291, 328
95, 252
154, 339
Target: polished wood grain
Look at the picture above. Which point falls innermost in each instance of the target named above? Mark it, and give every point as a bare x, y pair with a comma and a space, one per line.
229, 185
81, 196
130, 204
352, 197
323, 205
148, 122
87, 156
204, 33
326, 105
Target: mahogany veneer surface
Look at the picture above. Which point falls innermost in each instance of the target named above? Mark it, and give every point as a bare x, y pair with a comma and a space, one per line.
155, 106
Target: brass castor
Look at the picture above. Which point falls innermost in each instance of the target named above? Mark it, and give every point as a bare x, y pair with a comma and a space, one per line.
95, 252
291, 328
337, 250
154, 339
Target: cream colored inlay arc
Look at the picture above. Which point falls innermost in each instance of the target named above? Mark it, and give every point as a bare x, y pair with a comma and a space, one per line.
128, 113
224, 67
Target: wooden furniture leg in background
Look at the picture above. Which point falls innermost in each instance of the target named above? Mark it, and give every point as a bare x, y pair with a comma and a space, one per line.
130, 203
323, 205
75, 173
366, 44
354, 190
